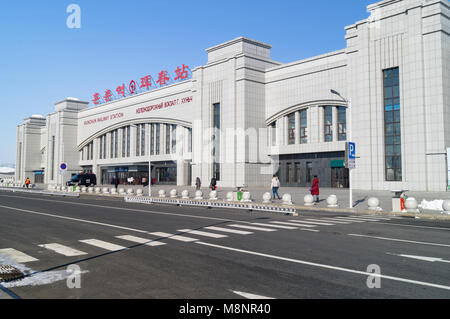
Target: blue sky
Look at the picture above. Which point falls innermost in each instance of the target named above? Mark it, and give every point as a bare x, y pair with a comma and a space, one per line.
43, 61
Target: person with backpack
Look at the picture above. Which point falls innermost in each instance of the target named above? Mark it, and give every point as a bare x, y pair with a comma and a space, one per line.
315, 188
275, 186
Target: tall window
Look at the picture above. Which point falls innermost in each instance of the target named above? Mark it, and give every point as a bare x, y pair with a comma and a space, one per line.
124, 141
100, 155
189, 139
216, 141
157, 141
168, 126
328, 123
52, 158
392, 132
138, 140
143, 139
342, 123
152, 139
291, 128
128, 141
303, 127
174, 138
273, 128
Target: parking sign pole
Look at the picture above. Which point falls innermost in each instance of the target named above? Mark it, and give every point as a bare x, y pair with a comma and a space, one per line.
350, 139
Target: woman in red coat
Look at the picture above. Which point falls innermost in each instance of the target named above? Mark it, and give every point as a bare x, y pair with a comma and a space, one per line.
315, 188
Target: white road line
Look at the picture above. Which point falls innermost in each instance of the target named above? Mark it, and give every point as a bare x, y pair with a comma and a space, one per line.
365, 219
340, 221
274, 226
422, 283
174, 237
102, 244
63, 250
139, 240
294, 224
313, 230
350, 220
314, 223
226, 230
17, 256
405, 225
424, 258
252, 227
401, 240
202, 233
249, 295
324, 220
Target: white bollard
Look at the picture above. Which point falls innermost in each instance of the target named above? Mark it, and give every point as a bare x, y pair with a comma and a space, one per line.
373, 204
411, 205
246, 197
63, 188
105, 190
162, 193
287, 199
198, 195
185, 194
173, 193
308, 200
267, 198
213, 195
84, 189
446, 206
98, 190
139, 192
332, 201
90, 189
113, 191
121, 191
130, 191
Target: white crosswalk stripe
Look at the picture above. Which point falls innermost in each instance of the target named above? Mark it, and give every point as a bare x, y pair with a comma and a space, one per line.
350, 220
174, 237
293, 224
274, 226
63, 250
356, 219
252, 227
370, 218
139, 240
202, 233
327, 220
314, 223
227, 230
102, 244
17, 256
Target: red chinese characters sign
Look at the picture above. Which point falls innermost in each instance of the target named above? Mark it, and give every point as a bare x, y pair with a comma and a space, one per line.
146, 83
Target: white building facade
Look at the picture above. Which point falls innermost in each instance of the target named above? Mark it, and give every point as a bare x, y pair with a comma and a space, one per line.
243, 117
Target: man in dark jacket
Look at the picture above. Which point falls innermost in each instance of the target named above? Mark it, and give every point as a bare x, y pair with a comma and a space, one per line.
213, 183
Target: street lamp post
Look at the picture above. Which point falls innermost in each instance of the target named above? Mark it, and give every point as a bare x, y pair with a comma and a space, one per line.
349, 138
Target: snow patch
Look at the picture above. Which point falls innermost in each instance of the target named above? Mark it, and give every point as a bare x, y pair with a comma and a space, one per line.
432, 205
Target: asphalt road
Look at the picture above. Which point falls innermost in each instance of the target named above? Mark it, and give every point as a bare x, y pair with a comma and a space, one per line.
314, 257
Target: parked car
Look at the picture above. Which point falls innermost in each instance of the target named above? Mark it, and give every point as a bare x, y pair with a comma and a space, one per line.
83, 180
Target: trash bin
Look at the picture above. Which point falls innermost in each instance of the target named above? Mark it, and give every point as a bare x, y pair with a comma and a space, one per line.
398, 200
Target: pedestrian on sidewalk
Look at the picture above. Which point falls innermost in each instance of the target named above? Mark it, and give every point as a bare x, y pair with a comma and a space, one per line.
27, 182
115, 181
275, 186
198, 183
213, 184
315, 188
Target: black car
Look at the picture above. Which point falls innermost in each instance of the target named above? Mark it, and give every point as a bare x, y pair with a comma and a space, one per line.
83, 180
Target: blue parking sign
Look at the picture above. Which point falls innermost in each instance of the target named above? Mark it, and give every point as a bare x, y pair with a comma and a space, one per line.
351, 150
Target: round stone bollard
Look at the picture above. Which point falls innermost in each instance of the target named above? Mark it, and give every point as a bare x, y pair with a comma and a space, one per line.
90, 189
63, 188
50, 187
308, 200
229, 196
411, 205
162, 193
267, 198
173, 193
139, 192
446, 206
121, 191
113, 191
105, 190
185, 194
213, 195
98, 190
198, 195
246, 197
287, 199
84, 189
332, 201
129, 191
373, 203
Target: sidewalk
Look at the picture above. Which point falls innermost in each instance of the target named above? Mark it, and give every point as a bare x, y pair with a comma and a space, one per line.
360, 197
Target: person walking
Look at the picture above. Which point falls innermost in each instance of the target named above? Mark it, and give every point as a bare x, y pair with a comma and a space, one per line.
275, 186
115, 181
213, 184
315, 188
198, 183
27, 182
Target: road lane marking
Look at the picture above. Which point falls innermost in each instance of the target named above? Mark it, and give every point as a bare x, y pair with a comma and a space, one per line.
63, 250
202, 233
415, 226
103, 244
340, 221
323, 220
174, 237
314, 223
294, 224
274, 226
364, 273
17, 256
401, 240
227, 230
249, 295
430, 259
251, 227
361, 219
307, 229
351, 220
139, 240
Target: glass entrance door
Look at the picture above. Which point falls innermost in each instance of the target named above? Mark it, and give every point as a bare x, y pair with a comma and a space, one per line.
339, 177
